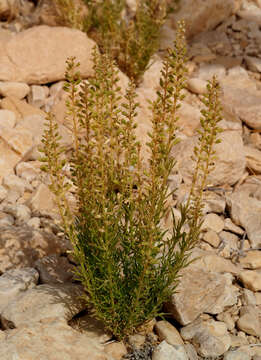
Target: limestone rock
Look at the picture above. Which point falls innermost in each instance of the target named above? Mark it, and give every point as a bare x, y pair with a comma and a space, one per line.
253, 159
200, 291
250, 321
244, 99
9, 159
166, 351
246, 212
19, 139
42, 302
209, 337
196, 14
7, 118
197, 86
16, 89
213, 222
236, 354
14, 282
43, 200
229, 166
189, 118
20, 107
252, 260
168, 332
251, 279
38, 55
53, 338
16, 184
22, 246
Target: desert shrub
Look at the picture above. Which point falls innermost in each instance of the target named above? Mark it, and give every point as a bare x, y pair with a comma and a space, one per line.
127, 262
130, 40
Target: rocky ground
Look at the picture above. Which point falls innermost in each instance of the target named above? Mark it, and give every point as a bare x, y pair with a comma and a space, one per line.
217, 311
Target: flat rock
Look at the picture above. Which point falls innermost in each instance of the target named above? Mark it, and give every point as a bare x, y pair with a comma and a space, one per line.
209, 337
44, 301
53, 338
38, 55
200, 291
246, 212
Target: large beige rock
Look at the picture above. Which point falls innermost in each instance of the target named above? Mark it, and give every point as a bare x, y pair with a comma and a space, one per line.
252, 260
17, 89
201, 15
15, 282
230, 162
201, 291
168, 332
251, 279
246, 212
210, 337
43, 200
38, 55
50, 339
249, 320
42, 302
241, 95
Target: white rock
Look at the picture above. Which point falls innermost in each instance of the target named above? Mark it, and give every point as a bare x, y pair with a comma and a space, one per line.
17, 89
14, 282
166, 351
37, 95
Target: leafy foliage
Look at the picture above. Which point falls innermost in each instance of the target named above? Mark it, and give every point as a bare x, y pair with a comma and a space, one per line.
127, 263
